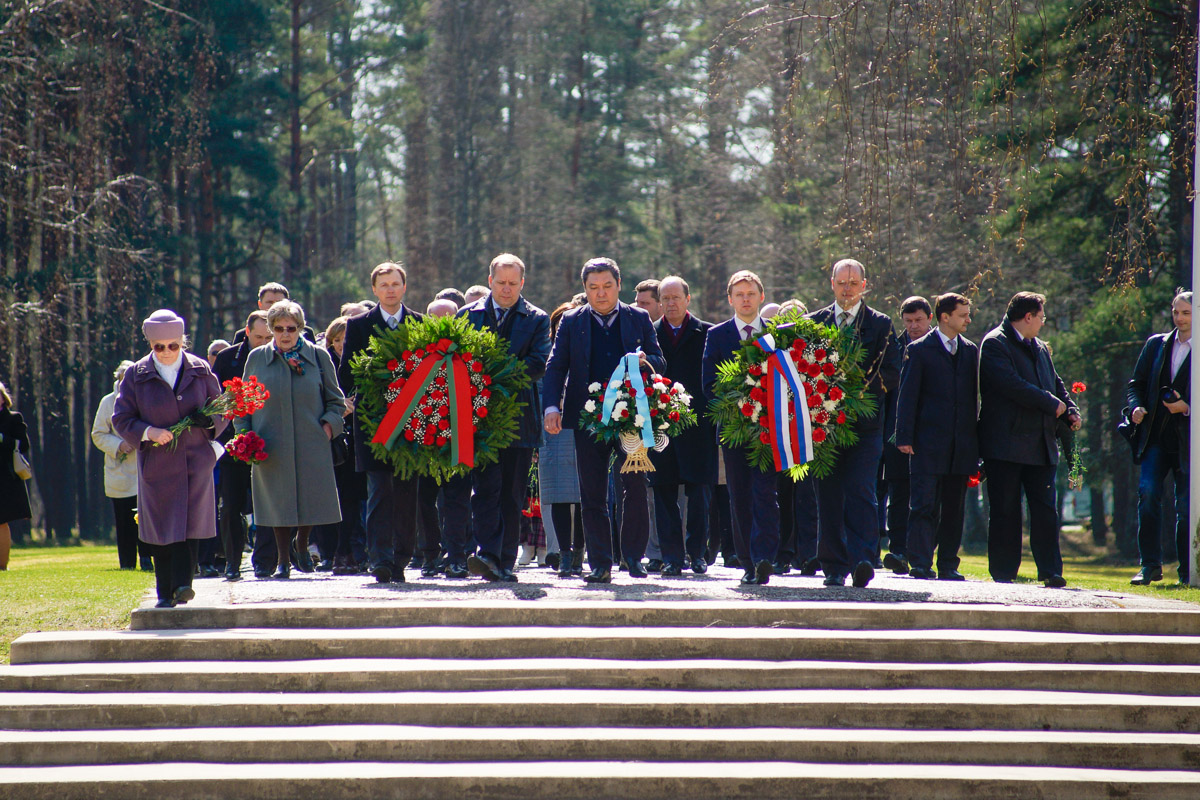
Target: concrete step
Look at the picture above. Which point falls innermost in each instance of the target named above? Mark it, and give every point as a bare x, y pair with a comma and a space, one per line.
333, 743
448, 675
917, 709
570, 780
663, 614
770, 644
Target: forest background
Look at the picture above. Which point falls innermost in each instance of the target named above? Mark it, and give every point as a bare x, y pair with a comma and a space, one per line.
180, 153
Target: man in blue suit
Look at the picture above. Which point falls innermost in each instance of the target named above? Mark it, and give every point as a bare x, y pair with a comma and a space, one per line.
753, 496
937, 408
849, 518
591, 341
1021, 397
500, 488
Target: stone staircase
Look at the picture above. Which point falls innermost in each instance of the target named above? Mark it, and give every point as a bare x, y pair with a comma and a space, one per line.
544, 699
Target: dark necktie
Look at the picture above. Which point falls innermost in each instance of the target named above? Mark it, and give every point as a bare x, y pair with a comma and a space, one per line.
749, 329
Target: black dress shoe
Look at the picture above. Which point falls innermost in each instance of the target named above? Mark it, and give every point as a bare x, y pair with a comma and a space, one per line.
636, 570
429, 569
922, 574
898, 564
810, 567
566, 571
698, 566
325, 566
553, 560
835, 580
950, 575
147, 564
383, 573
415, 563
304, 562
1055, 582
165, 604
456, 571
749, 578
233, 573
184, 594
283, 571
484, 566
671, 571
781, 567
764, 570
507, 576
262, 573
654, 565
1146, 575
732, 562
598, 576
864, 571
209, 571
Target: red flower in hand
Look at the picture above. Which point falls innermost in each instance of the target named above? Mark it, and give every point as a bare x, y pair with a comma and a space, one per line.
1078, 387
974, 480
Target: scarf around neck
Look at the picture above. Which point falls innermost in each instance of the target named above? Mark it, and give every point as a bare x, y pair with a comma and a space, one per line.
292, 357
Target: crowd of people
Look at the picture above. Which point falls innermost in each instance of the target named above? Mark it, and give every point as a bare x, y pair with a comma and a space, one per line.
948, 410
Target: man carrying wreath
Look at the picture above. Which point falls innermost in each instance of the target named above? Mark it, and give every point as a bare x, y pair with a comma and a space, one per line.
591, 341
500, 487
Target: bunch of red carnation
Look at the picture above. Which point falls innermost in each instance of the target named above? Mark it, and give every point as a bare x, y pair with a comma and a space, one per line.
248, 447
429, 425
817, 367
241, 398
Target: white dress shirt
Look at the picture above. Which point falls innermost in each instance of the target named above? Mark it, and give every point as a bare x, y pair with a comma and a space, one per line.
852, 311
946, 341
1179, 352
755, 328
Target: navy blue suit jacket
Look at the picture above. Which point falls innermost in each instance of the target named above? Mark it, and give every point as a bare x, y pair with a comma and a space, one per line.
937, 407
1150, 375
880, 361
1019, 396
722, 342
567, 370
530, 342
358, 336
692, 455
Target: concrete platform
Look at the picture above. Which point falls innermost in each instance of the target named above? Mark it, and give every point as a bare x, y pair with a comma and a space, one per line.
570, 780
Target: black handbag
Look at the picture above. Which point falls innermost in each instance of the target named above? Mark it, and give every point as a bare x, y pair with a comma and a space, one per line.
339, 446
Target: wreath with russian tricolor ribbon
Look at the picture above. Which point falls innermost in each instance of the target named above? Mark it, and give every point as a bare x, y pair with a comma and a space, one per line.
755, 397
437, 396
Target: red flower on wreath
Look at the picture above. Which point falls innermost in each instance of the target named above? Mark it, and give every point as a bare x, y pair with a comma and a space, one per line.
764, 437
841, 418
393, 365
755, 370
819, 435
815, 369
476, 367
814, 401
481, 412
836, 394
747, 410
829, 369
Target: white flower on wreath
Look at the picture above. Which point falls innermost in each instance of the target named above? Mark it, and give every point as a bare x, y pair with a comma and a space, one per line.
621, 405
750, 381
616, 415
590, 406
830, 405
660, 387
833, 357
664, 426
686, 399
595, 387
614, 384
638, 419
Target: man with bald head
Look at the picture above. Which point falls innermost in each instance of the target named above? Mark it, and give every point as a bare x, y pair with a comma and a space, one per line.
848, 528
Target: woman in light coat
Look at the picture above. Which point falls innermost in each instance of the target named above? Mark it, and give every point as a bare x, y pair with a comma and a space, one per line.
120, 478
295, 487
177, 504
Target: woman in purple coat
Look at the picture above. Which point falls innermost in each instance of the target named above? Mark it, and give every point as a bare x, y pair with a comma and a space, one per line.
176, 505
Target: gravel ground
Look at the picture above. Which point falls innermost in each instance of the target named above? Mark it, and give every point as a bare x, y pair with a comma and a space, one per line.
718, 584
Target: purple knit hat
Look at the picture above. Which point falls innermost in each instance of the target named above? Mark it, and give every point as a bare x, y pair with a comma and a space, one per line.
163, 325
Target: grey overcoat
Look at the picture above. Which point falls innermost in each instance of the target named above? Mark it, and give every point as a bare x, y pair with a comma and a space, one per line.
295, 485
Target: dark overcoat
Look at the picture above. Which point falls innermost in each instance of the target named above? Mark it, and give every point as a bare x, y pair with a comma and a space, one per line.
567, 369
529, 340
231, 363
176, 498
937, 407
1019, 393
880, 360
895, 463
358, 336
691, 457
14, 497
1150, 375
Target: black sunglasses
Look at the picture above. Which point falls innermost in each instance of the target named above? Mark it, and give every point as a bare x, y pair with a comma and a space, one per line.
286, 329
159, 347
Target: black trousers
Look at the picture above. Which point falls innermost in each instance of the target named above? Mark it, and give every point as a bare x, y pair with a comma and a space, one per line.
591, 463
568, 527
898, 517
174, 565
233, 500
497, 503
391, 520
1005, 482
935, 519
720, 526
797, 520
429, 519
849, 517
754, 509
672, 541
129, 546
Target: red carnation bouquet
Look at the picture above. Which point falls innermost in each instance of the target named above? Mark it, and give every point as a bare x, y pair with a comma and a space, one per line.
241, 398
248, 447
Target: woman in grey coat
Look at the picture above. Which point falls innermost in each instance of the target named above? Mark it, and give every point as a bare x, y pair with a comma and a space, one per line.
295, 487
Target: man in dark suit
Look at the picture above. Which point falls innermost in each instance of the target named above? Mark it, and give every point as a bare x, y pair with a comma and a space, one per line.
937, 410
1021, 396
391, 501
753, 497
849, 516
269, 294
691, 458
1160, 394
233, 477
500, 488
893, 488
591, 341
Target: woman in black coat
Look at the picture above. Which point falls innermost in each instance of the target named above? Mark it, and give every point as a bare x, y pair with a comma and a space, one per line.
14, 498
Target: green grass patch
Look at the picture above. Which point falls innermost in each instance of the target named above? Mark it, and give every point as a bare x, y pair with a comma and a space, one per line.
1099, 573
66, 588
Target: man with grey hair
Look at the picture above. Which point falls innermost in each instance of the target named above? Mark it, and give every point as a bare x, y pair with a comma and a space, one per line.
848, 526
477, 292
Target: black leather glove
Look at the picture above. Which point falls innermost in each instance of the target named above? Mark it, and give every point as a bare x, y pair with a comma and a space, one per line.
202, 421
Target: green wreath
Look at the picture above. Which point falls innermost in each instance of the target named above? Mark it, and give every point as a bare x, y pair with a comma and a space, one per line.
828, 361
424, 444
